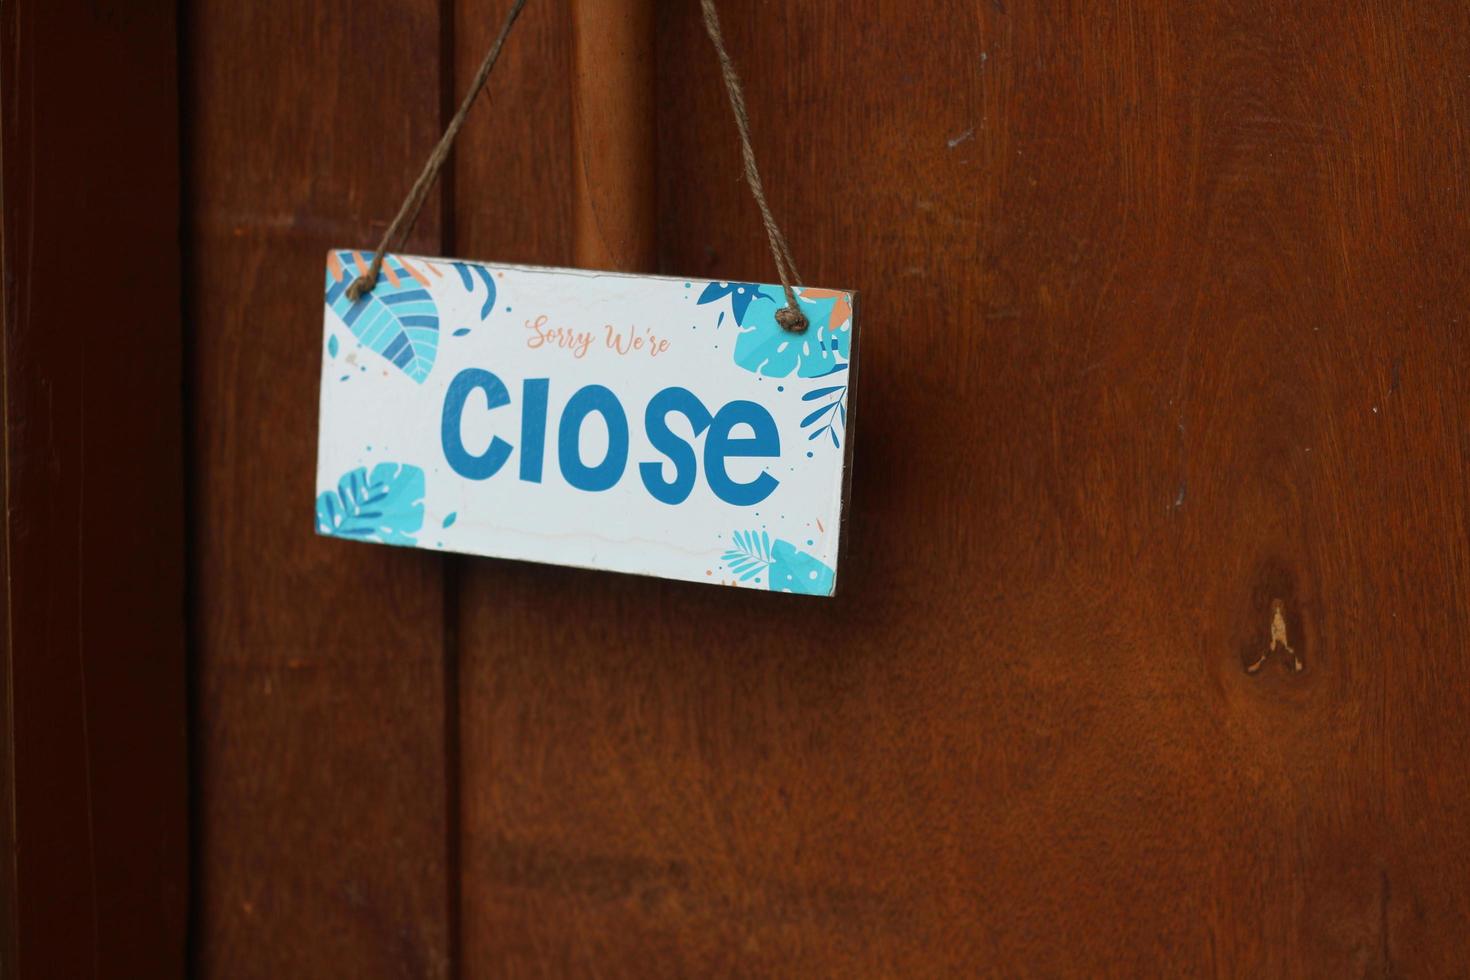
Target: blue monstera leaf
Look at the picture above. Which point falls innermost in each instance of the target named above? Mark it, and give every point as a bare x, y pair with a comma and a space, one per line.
386, 505
797, 571
752, 553
397, 319
764, 347
741, 295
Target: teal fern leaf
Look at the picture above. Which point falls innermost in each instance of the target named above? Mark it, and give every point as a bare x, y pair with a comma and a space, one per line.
749, 554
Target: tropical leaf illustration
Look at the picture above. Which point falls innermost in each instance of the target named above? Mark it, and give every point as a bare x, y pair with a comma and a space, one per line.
385, 506
831, 414
464, 269
741, 294
764, 347
787, 569
749, 554
797, 571
398, 319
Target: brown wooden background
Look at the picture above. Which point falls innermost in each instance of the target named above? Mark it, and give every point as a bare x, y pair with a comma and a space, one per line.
1165, 318
94, 809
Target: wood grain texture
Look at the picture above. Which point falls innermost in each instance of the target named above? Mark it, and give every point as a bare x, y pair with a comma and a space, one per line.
614, 141
94, 804
1164, 324
513, 175
321, 754
1164, 321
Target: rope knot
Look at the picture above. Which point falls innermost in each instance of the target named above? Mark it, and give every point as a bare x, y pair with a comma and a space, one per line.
362, 284
791, 319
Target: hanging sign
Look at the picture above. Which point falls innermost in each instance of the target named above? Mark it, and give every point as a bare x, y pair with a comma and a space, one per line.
642, 424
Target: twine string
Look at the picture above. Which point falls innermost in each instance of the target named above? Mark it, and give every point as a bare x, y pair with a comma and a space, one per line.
409, 211
789, 317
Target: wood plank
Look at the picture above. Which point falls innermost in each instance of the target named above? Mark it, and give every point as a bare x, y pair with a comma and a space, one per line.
515, 201
613, 134
1166, 324
95, 876
513, 196
321, 743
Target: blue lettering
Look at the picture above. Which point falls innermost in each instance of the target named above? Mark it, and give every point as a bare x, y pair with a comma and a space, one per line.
593, 398
719, 443
719, 446
533, 427
679, 452
486, 465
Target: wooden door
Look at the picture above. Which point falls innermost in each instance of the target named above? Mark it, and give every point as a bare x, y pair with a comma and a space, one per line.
1165, 343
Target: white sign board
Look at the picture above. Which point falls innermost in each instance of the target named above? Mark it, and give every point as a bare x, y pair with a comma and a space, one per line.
642, 424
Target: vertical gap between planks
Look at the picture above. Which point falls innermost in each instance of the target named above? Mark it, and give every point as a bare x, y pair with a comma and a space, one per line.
10, 856
193, 634
450, 577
